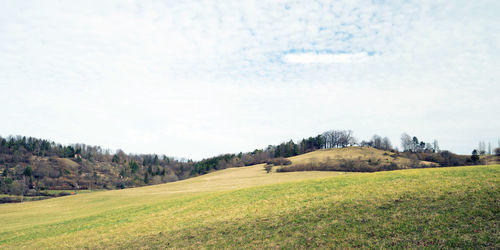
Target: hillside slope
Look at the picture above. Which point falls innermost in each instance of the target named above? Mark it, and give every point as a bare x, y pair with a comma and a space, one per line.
81, 205
353, 159
38, 168
247, 208
353, 153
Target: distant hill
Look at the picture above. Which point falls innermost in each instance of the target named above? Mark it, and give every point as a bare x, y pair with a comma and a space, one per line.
31, 166
353, 159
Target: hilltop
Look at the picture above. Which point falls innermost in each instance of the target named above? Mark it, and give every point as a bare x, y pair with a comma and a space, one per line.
353, 159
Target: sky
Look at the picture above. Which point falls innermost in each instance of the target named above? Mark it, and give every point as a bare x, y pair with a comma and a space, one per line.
196, 79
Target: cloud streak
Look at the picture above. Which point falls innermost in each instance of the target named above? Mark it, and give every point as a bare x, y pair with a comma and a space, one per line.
325, 58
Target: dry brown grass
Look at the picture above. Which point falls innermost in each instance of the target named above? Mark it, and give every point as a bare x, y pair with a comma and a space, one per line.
337, 155
68, 162
491, 159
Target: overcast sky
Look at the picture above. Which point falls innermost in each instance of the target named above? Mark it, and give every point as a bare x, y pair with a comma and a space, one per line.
199, 78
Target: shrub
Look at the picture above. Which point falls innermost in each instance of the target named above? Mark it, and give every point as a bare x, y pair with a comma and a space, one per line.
31, 192
444, 158
279, 161
497, 151
344, 165
12, 199
64, 193
373, 162
391, 166
268, 167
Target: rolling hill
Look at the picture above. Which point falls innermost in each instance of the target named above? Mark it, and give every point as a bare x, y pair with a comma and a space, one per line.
34, 169
248, 208
353, 159
356, 154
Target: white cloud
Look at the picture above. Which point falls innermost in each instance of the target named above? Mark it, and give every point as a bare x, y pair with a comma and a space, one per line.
196, 78
325, 58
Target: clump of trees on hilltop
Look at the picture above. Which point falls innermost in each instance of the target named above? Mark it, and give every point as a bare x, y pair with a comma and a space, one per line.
483, 150
378, 142
424, 151
412, 144
328, 139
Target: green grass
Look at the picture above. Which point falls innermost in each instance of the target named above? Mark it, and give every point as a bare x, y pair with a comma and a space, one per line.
247, 208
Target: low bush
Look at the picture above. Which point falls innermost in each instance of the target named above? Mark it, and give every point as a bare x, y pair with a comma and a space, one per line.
497, 151
35, 198
344, 166
444, 158
390, 166
268, 167
279, 161
11, 199
373, 162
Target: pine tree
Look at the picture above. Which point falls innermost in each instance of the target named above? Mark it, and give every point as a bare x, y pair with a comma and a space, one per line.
115, 159
475, 156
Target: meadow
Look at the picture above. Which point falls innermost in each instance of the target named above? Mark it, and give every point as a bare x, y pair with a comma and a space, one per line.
248, 208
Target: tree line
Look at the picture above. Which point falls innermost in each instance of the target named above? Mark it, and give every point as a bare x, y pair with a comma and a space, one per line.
327, 139
412, 144
29, 165
483, 150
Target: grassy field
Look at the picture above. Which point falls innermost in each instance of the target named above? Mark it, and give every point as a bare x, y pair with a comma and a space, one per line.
247, 208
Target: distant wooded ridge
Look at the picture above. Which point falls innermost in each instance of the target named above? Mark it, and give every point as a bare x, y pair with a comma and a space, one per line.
30, 165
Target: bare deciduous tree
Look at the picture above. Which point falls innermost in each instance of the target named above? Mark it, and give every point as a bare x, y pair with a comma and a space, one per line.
386, 143
435, 146
406, 142
377, 141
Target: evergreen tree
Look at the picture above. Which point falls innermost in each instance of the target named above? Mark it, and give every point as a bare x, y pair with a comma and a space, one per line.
115, 159
133, 166
155, 161
28, 171
475, 156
